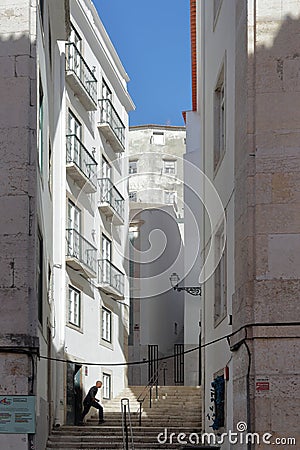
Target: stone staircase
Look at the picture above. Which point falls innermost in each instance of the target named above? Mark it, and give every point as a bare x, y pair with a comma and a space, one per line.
177, 410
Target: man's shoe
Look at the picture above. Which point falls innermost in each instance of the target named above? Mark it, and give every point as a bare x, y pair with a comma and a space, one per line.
100, 422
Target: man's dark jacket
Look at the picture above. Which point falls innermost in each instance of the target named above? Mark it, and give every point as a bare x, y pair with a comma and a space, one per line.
90, 397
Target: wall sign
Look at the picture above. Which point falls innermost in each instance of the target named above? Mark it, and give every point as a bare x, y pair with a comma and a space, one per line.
262, 384
17, 414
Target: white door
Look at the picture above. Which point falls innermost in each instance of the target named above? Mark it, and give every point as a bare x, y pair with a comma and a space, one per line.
106, 258
74, 243
106, 105
75, 52
74, 140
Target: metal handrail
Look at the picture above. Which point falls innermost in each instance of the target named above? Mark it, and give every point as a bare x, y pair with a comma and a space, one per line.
110, 194
127, 436
78, 154
108, 273
109, 115
76, 63
148, 390
80, 248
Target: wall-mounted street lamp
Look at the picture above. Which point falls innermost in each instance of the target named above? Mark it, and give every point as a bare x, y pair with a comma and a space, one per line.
193, 290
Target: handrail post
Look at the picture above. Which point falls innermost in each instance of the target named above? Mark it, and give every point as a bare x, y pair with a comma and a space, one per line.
150, 398
126, 429
140, 414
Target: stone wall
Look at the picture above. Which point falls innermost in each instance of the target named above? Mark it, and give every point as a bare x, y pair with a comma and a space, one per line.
267, 219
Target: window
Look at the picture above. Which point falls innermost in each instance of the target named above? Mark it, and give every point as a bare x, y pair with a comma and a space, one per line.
73, 231
41, 128
157, 138
73, 140
39, 277
170, 167
74, 306
106, 325
106, 386
219, 120
132, 167
170, 197
220, 278
133, 196
106, 259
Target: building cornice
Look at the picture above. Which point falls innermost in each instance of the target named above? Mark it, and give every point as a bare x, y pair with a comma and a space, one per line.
157, 127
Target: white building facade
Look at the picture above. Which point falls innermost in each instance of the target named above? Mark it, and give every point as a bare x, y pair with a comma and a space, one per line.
90, 286
156, 251
64, 143
244, 124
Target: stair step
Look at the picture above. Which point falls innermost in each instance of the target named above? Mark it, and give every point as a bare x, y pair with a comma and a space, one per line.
176, 408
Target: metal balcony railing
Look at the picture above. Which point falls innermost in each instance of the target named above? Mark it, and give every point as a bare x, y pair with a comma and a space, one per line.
108, 274
82, 250
79, 155
110, 194
76, 64
109, 115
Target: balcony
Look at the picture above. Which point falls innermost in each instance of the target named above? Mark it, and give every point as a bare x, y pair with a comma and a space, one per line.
80, 254
110, 279
111, 126
111, 202
80, 164
80, 78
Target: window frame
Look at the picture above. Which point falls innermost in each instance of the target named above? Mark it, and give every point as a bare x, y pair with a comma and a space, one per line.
220, 118
166, 169
40, 277
157, 133
132, 172
130, 196
220, 278
106, 377
77, 292
41, 122
168, 193
106, 313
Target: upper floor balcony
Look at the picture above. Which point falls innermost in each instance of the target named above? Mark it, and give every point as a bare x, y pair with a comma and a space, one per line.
81, 166
81, 78
111, 202
110, 279
111, 125
81, 255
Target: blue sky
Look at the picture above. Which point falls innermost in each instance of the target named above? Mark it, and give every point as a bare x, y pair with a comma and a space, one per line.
152, 39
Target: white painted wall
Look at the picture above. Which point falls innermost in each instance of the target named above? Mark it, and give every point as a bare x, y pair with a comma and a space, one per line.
85, 344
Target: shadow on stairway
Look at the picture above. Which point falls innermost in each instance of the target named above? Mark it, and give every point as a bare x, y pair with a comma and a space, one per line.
177, 410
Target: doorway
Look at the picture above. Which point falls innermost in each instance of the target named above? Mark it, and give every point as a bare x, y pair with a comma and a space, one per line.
74, 393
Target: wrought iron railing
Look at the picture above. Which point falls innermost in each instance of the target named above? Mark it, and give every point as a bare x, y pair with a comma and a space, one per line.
109, 115
76, 64
110, 194
79, 248
108, 274
79, 155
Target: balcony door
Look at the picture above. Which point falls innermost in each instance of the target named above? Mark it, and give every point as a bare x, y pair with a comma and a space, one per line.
74, 225
106, 257
106, 105
74, 139
75, 52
